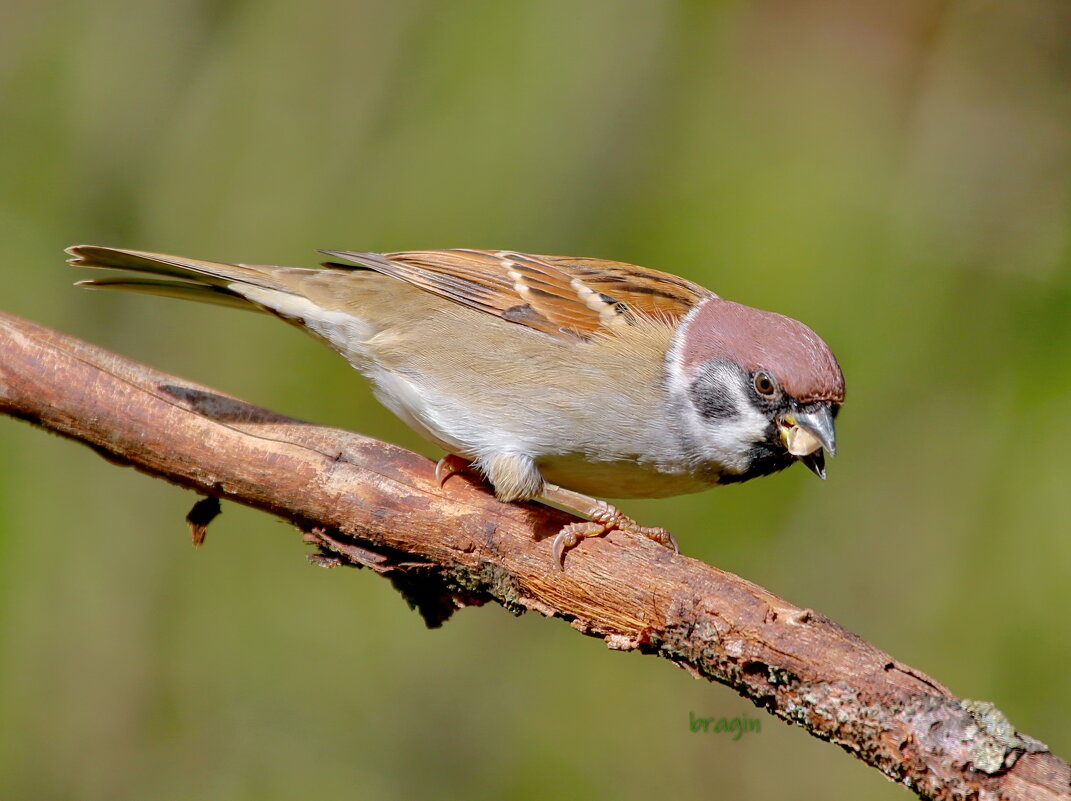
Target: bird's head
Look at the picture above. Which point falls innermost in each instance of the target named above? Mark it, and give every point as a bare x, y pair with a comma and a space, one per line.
756, 391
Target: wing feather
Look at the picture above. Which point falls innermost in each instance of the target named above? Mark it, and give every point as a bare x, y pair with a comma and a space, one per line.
565, 297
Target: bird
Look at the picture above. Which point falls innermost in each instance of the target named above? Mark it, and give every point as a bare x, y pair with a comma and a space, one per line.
557, 379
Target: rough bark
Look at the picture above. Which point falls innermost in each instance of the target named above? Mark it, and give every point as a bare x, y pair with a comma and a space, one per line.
371, 504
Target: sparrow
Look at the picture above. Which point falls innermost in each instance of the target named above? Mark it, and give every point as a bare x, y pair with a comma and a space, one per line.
555, 378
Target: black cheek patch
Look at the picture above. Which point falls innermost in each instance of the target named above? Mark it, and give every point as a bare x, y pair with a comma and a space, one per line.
712, 399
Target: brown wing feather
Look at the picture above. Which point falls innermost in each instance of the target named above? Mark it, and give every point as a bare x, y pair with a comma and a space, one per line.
561, 296
648, 291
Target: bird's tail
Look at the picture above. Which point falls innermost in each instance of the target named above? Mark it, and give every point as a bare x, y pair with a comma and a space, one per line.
180, 277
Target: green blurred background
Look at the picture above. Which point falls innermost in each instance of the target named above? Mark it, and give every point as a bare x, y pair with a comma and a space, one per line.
894, 174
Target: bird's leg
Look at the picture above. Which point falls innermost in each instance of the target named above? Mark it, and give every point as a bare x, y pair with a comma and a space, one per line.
449, 465
509, 474
604, 518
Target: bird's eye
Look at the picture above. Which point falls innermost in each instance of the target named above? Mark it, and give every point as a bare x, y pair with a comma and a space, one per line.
765, 385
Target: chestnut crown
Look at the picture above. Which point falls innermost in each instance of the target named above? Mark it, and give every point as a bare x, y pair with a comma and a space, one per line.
788, 350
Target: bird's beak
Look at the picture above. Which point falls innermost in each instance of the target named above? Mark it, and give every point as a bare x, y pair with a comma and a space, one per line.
805, 434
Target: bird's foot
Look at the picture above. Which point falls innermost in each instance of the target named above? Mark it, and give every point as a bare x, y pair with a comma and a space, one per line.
570, 536
449, 465
613, 517
604, 518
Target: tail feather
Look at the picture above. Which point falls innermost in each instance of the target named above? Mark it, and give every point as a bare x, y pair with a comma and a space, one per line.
317, 300
183, 290
196, 271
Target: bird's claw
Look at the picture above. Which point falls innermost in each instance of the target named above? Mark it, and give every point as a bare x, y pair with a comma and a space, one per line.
659, 535
614, 518
605, 519
570, 536
449, 465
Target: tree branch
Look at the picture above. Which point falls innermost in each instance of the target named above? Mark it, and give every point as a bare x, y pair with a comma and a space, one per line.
367, 503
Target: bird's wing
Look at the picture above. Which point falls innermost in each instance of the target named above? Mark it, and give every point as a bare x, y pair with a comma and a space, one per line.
565, 297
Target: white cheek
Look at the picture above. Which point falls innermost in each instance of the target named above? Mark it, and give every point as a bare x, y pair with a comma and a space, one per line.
729, 441
724, 443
